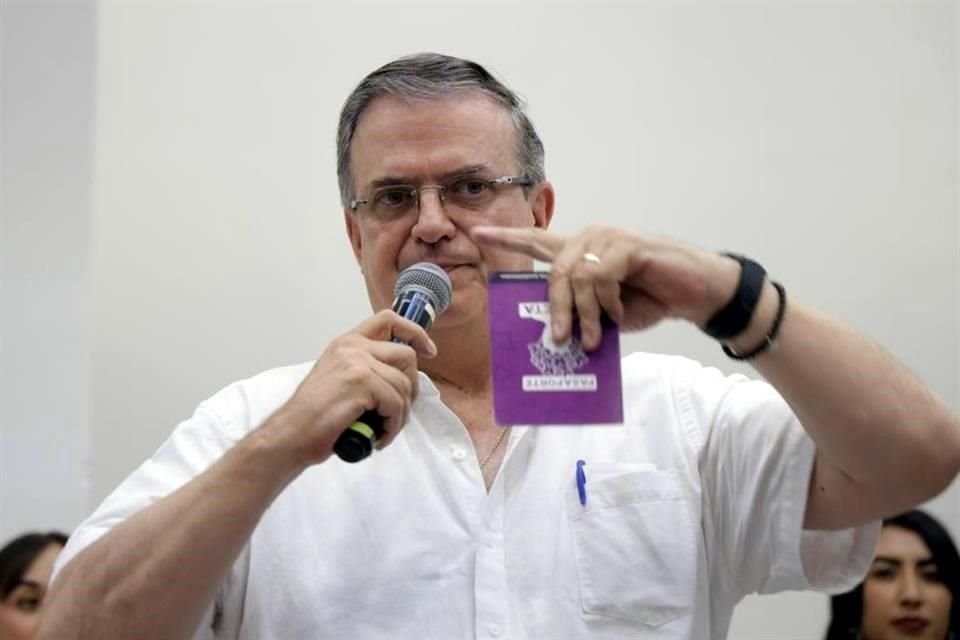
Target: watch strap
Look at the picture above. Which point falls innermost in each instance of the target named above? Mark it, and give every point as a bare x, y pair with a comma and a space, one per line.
733, 319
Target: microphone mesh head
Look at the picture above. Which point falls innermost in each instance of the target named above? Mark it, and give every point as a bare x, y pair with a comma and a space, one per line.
428, 278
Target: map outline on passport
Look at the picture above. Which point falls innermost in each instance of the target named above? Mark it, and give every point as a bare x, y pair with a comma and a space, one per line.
536, 381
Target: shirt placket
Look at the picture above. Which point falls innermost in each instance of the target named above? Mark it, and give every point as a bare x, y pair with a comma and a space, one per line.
492, 595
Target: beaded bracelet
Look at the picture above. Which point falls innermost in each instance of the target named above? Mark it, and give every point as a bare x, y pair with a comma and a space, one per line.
771, 336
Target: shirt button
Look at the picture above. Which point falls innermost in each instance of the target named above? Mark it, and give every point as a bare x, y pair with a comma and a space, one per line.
495, 630
459, 455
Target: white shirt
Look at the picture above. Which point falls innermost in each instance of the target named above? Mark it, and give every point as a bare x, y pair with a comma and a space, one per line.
697, 500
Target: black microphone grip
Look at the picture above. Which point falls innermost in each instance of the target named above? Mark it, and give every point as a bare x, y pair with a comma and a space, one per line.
356, 442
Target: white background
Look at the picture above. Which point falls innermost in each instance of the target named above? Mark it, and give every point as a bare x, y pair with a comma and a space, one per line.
171, 219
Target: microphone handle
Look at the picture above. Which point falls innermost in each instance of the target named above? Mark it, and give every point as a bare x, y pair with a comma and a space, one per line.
357, 440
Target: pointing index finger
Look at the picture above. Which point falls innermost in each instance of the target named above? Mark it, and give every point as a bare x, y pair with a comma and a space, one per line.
531, 241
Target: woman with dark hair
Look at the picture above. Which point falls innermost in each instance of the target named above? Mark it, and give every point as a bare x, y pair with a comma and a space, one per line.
911, 591
25, 566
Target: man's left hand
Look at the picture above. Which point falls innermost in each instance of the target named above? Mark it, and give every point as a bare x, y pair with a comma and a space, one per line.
637, 280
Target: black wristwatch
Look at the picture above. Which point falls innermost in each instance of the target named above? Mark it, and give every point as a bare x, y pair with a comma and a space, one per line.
733, 319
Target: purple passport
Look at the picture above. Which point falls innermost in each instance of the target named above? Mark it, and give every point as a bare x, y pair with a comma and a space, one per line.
536, 381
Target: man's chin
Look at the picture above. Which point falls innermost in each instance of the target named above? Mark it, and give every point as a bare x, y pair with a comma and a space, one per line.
467, 308
465, 277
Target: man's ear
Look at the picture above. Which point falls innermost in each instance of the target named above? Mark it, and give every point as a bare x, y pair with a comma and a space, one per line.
353, 232
541, 204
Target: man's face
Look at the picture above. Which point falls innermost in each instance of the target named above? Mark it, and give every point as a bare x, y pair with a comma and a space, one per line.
429, 142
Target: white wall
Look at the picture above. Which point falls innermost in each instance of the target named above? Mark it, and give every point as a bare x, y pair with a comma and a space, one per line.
820, 138
47, 69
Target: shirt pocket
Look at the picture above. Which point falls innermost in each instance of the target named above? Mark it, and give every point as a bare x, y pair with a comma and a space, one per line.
634, 544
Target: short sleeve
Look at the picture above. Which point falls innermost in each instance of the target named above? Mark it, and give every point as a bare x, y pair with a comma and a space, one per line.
755, 466
192, 447
217, 425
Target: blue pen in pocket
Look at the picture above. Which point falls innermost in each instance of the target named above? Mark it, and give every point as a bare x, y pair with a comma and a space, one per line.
581, 482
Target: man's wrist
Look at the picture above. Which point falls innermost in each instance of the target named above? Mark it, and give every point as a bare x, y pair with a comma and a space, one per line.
763, 318
279, 443
733, 318
722, 279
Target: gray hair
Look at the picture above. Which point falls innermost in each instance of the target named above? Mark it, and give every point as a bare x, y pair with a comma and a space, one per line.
430, 76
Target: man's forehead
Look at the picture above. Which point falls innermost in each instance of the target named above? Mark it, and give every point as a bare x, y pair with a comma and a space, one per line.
393, 132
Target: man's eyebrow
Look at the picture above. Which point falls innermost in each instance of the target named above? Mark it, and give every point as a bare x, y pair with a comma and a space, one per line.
465, 171
392, 181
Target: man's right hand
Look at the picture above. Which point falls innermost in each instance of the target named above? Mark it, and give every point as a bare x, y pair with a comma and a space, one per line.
359, 371
101, 592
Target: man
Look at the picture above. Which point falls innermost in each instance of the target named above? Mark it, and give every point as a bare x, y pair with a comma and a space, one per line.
243, 525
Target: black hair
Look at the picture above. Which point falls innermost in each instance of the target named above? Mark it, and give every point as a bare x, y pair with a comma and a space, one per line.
846, 609
17, 556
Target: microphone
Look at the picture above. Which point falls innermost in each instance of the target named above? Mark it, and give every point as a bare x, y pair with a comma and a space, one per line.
422, 292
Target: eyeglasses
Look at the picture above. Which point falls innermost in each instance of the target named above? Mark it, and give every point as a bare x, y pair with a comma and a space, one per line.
468, 193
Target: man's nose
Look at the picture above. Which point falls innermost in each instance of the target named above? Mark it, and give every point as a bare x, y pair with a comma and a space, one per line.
433, 224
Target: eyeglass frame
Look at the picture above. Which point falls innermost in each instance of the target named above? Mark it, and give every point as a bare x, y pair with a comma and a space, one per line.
520, 181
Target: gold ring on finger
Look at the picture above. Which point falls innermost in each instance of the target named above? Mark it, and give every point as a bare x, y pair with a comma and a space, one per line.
592, 258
